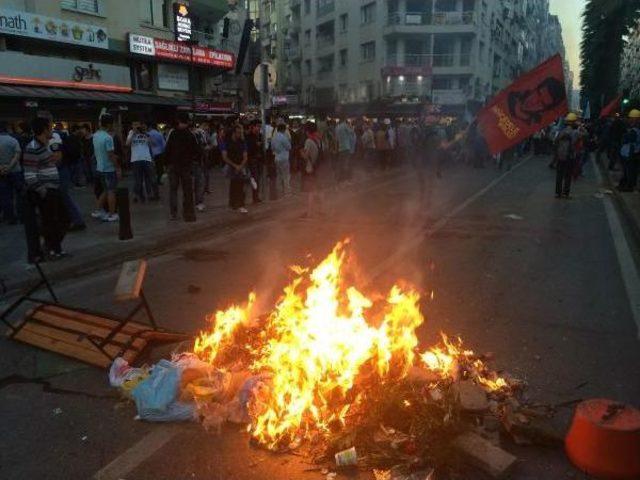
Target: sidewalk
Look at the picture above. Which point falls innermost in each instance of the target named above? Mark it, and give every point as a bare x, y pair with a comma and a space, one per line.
628, 202
98, 246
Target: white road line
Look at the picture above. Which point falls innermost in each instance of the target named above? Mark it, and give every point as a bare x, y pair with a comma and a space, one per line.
134, 456
151, 443
628, 269
440, 224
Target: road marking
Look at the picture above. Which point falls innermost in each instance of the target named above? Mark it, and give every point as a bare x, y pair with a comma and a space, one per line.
441, 223
134, 456
627, 265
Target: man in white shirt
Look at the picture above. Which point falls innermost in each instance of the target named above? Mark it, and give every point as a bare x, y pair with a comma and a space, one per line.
281, 146
142, 164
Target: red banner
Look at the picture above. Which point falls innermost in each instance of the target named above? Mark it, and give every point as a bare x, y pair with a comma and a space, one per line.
612, 108
201, 55
529, 104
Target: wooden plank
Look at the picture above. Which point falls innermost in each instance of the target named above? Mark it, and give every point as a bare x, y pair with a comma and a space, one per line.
167, 337
484, 455
94, 319
130, 280
92, 357
53, 320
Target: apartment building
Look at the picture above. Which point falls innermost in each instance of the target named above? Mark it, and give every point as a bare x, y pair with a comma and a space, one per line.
400, 52
72, 58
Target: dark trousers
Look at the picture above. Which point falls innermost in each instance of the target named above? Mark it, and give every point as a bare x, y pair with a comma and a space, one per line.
144, 180
563, 178
256, 172
65, 174
629, 178
236, 193
53, 220
11, 186
181, 177
158, 161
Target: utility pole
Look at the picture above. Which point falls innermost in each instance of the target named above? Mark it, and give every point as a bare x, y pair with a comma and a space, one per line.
264, 77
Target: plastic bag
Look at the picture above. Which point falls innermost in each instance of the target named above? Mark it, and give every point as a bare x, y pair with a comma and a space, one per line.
155, 396
121, 372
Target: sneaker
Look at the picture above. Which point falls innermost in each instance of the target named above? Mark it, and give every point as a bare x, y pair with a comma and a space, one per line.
200, 207
112, 217
243, 210
99, 214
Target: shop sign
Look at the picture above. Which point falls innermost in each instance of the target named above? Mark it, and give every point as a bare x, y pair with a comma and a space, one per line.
182, 19
53, 29
173, 77
395, 71
179, 52
207, 106
37, 70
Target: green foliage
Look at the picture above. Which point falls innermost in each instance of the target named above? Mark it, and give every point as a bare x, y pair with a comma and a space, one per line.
605, 23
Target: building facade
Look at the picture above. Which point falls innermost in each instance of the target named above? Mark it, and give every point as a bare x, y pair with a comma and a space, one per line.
75, 58
454, 53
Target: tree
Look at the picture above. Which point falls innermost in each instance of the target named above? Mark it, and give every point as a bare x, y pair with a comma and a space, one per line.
605, 23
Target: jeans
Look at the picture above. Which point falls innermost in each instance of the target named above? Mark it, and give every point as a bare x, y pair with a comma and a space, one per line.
199, 182
181, 177
54, 221
65, 174
11, 186
283, 175
144, 180
563, 177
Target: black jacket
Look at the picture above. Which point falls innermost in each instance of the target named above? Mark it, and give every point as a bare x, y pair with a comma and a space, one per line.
182, 149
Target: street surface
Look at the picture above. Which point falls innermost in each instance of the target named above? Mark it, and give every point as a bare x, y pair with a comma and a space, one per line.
514, 271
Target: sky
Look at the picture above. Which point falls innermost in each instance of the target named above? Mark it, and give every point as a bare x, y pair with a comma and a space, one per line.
570, 13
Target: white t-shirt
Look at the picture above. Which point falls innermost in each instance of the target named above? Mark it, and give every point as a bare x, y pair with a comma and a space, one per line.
140, 150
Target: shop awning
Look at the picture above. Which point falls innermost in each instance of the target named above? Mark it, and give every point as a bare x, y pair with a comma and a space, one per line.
88, 95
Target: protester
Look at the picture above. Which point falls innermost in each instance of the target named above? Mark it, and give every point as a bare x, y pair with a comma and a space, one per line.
182, 151
281, 146
11, 177
383, 146
157, 143
629, 153
144, 172
106, 168
369, 147
311, 157
43, 196
234, 155
88, 156
564, 156
346, 144
256, 159
71, 159
202, 138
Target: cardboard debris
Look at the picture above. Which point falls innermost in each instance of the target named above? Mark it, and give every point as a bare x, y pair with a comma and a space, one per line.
472, 398
483, 454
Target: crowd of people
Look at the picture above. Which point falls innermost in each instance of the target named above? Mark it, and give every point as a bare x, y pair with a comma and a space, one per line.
41, 163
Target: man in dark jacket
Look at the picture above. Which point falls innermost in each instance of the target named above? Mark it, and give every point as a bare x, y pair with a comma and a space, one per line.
181, 152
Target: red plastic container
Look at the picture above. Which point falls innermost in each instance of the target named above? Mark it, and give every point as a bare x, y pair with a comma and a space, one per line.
604, 440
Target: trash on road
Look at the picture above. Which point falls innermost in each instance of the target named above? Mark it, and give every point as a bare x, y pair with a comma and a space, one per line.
343, 387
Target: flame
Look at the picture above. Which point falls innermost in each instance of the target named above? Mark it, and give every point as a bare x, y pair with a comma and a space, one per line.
323, 340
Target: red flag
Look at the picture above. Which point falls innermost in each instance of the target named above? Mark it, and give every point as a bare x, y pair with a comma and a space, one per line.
529, 104
611, 108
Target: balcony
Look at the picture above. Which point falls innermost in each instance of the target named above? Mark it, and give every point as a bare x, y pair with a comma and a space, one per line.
438, 22
325, 44
448, 97
436, 61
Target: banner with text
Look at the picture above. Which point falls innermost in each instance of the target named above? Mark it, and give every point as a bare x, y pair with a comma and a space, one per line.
529, 104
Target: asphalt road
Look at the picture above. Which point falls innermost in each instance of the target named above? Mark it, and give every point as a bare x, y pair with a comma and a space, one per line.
514, 271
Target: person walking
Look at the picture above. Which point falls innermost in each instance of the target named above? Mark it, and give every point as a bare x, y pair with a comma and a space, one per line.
157, 144
346, 144
564, 156
281, 146
43, 196
11, 177
71, 157
234, 155
144, 172
106, 169
182, 150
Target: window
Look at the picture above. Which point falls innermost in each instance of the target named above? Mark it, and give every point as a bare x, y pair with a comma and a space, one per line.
307, 7
88, 6
307, 38
368, 51
343, 57
343, 22
368, 13
307, 67
154, 12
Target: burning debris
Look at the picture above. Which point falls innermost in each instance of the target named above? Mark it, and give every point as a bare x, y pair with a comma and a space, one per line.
340, 377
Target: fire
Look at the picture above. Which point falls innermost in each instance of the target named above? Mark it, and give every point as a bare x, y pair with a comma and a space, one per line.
322, 341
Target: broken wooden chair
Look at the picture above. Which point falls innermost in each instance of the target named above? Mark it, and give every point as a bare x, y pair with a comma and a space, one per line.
94, 338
